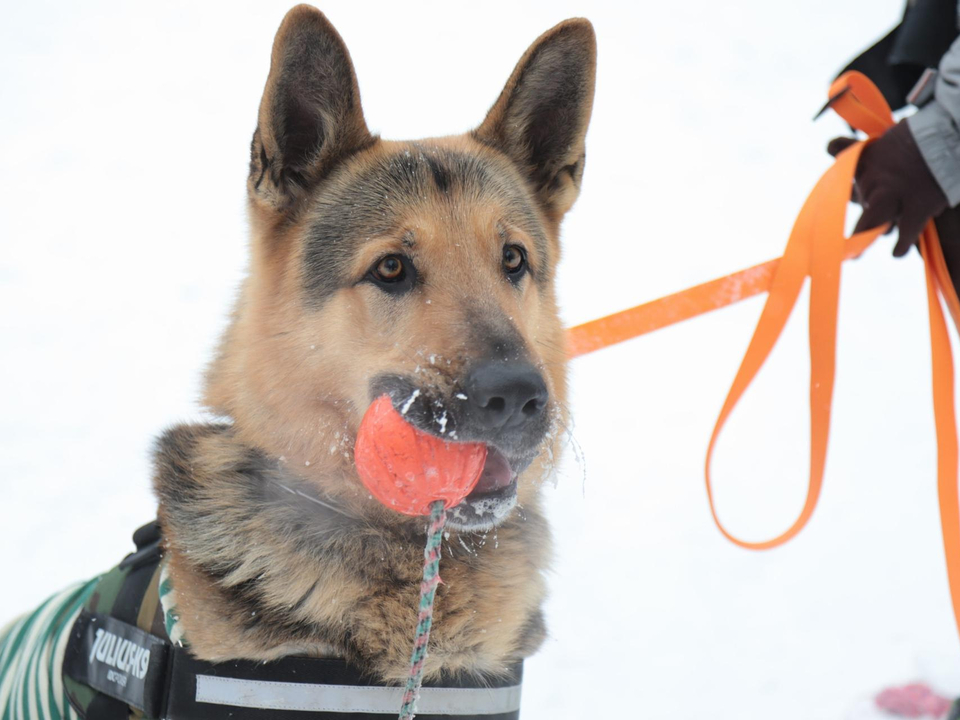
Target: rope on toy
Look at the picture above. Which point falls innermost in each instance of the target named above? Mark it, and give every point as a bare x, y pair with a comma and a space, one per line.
428, 589
416, 474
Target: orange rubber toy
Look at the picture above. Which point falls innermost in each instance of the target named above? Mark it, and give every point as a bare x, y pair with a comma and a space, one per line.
407, 469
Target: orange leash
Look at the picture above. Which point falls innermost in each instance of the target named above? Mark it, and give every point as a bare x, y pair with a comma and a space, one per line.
816, 249
671, 309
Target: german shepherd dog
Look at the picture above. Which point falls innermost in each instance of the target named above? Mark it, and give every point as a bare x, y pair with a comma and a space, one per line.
423, 270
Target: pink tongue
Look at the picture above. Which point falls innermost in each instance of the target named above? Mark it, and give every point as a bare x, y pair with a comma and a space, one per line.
496, 474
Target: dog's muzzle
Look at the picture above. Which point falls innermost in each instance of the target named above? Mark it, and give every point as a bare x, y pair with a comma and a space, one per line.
502, 404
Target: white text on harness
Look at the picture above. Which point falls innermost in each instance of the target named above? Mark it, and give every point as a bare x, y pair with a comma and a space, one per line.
125, 655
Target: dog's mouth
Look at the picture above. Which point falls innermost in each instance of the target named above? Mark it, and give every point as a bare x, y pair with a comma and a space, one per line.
492, 499
509, 453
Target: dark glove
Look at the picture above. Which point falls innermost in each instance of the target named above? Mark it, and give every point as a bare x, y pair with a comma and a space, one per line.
894, 185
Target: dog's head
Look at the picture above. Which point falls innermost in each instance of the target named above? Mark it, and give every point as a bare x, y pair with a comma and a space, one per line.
423, 270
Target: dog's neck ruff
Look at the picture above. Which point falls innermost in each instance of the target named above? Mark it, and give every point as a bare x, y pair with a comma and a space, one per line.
127, 652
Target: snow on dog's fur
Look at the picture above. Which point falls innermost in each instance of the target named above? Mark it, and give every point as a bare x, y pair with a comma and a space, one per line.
379, 267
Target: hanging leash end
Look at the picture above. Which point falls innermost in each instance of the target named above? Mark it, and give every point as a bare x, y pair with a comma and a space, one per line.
830, 102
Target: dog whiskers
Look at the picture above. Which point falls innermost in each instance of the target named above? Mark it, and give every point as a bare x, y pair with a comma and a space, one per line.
312, 499
561, 414
573, 443
471, 551
558, 347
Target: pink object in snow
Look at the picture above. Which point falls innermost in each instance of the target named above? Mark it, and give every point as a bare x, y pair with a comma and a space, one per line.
913, 701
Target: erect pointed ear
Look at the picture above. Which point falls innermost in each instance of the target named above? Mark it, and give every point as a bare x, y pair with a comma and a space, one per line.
310, 115
541, 117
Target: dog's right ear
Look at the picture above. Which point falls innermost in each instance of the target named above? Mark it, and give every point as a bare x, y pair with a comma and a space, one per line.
310, 115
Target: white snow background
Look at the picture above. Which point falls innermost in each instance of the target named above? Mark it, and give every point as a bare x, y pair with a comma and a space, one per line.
124, 133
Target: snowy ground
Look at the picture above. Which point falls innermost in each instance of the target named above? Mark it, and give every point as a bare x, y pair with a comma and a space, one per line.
124, 130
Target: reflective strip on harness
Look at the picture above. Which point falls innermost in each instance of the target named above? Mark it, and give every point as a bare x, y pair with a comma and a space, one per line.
267, 695
306, 688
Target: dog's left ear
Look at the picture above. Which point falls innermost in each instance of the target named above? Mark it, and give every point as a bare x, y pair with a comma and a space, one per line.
310, 115
541, 117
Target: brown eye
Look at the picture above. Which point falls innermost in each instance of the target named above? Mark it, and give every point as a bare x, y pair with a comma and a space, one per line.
394, 274
390, 269
514, 260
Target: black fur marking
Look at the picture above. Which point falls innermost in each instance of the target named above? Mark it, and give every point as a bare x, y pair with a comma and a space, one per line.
303, 599
246, 599
173, 458
441, 175
264, 165
247, 596
533, 634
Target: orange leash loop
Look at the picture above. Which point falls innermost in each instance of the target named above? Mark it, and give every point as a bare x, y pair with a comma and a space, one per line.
816, 249
818, 237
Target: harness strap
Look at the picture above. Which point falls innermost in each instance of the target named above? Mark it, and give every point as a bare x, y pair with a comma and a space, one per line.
286, 688
120, 657
118, 660
125, 599
147, 673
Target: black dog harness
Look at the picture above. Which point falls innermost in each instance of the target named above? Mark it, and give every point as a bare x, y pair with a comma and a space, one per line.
119, 659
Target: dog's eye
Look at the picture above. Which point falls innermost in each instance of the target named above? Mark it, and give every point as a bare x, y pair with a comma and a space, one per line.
390, 269
514, 261
393, 273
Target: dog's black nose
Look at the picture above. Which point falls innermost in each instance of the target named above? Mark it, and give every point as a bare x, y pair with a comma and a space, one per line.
502, 396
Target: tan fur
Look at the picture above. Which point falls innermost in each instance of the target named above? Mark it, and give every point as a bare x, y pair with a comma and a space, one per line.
271, 410
266, 515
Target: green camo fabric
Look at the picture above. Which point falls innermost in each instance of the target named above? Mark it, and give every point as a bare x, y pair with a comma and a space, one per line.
31, 655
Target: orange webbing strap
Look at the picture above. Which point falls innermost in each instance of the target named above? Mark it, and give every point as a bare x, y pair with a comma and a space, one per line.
872, 115
816, 249
656, 314
939, 285
818, 237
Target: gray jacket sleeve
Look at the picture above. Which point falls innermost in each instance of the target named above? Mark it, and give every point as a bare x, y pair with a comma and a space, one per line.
936, 127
